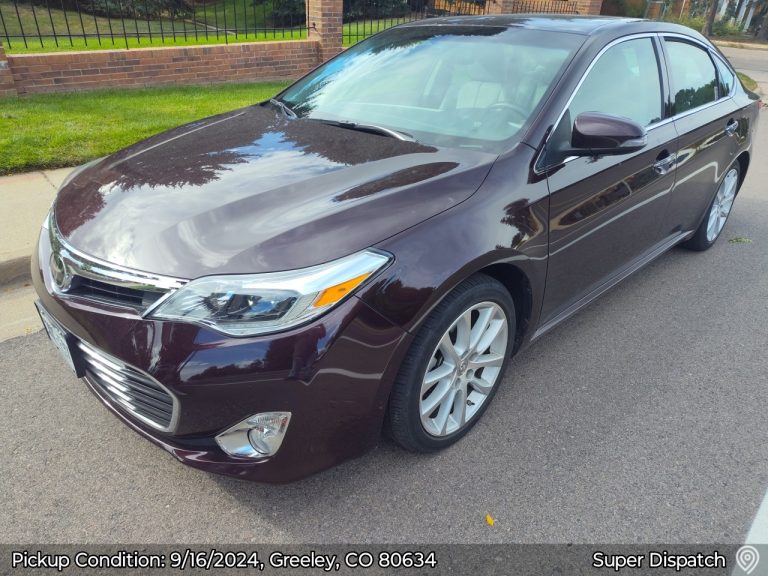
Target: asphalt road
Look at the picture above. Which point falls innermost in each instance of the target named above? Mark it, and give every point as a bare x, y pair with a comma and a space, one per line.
642, 419
754, 63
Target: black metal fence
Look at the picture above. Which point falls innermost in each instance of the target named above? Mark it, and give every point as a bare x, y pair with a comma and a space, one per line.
363, 18
37, 25
88, 24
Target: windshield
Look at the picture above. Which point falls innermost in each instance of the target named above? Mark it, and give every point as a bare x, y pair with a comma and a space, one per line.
454, 86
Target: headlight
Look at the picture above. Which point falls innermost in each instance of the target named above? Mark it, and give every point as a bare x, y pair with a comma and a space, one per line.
47, 218
246, 305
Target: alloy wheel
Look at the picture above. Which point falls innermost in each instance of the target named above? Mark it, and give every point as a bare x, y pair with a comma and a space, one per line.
722, 204
463, 369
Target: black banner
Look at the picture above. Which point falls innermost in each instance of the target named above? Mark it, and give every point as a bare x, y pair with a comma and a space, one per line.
415, 559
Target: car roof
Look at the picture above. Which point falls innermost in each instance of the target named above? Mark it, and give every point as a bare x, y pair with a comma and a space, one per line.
569, 23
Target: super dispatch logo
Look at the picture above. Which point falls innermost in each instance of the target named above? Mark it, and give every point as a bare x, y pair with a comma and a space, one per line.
661, 559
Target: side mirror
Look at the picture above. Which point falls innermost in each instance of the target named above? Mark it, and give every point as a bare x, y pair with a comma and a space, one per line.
596, 134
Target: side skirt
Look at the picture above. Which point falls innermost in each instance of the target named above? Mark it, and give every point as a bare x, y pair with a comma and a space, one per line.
623, 273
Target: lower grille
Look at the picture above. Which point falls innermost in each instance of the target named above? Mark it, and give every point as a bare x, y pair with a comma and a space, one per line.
130, 389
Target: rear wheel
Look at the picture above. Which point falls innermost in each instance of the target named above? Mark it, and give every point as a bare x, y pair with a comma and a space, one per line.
717, 215
453, 367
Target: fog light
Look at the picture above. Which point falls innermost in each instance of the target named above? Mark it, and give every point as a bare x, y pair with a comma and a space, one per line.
256, 437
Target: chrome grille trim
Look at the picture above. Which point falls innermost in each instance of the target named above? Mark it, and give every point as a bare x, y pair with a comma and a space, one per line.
77, 263
134, 391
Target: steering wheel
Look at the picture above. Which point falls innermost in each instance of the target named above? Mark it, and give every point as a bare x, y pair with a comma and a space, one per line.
518, 110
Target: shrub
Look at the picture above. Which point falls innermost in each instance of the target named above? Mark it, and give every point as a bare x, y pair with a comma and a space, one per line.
129, 8
630, 8
721, 27
288, 13
357, 9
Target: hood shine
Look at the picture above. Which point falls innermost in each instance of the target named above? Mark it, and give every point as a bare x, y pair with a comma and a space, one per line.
253, 191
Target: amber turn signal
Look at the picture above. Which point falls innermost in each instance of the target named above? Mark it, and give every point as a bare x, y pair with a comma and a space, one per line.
335, 293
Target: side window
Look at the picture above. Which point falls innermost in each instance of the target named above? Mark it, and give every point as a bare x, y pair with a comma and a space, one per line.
692, 74
623, 82
726, 78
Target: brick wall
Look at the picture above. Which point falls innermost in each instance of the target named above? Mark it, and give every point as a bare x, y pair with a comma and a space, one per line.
7, 85
70, 71
582, 7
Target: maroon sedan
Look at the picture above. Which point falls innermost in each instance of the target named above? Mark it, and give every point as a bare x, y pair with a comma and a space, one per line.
261, 292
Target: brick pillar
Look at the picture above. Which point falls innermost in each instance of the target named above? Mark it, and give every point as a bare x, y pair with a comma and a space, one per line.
585, 7
7, 85
500, 6
324, 22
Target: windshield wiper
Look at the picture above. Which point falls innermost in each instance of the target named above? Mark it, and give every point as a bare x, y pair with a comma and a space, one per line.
284, 107
373, 128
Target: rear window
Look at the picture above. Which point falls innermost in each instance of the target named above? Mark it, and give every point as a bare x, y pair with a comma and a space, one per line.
692, 74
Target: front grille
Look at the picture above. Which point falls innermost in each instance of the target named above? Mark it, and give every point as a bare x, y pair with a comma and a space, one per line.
112, 293
73, 273
130, 389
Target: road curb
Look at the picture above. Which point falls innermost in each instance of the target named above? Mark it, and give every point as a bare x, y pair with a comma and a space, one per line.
15, 271
745, 45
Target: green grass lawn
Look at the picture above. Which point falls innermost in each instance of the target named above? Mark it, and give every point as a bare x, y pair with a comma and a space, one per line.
49, 45
746, 81
54, 130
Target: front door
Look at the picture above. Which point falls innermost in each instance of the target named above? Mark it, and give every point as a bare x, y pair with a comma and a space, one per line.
605, 212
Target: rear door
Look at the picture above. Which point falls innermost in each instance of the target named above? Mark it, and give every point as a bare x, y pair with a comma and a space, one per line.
605, 212
706, 119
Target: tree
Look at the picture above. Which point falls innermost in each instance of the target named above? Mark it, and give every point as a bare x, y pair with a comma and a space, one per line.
762, 32
710, 22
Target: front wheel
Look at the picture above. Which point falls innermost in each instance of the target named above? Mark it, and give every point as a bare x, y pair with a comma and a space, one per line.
719, 210
453, 368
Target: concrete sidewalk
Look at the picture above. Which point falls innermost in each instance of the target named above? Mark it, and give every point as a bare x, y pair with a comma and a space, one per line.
747, 45
25, 199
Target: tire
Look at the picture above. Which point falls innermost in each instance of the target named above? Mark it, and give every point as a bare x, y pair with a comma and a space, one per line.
715, 218
466, 387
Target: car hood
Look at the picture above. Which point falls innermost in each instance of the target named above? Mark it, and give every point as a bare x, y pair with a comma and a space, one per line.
255, 191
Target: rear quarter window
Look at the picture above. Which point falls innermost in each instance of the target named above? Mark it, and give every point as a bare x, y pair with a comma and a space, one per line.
726, 78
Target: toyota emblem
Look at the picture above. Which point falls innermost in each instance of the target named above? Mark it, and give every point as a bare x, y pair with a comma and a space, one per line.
59, 273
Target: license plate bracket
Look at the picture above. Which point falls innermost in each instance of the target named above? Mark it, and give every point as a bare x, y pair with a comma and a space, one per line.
61, 339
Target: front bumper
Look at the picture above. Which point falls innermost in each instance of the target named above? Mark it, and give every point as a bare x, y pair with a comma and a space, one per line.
334, 375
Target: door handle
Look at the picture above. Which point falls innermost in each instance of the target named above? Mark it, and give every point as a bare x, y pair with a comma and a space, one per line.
664, 162
731, 127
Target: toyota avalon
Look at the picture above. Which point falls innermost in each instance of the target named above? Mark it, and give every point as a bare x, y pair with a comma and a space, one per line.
261, 293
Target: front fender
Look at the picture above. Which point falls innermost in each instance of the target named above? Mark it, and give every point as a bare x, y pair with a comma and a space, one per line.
504, 223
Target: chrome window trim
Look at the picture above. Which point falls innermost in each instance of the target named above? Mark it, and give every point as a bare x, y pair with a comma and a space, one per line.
660, 36
87, 266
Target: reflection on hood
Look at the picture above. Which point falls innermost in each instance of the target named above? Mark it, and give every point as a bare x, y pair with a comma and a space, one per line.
253, 191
